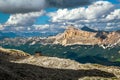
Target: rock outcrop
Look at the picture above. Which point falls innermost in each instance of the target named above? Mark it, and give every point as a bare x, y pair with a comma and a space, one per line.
73, 36
12, 54
52, 68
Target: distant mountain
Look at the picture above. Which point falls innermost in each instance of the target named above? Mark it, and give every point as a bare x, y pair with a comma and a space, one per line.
7, 35
85, 28
71, 36
87, 36
36, 67
14, 34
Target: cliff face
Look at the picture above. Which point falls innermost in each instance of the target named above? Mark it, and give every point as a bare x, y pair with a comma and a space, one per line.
112, 38
73, 36
52, 68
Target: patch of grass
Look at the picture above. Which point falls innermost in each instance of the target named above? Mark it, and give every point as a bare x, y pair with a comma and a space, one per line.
118, 60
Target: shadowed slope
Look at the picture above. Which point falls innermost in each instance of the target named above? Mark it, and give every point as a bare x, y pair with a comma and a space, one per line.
51, 68
15, 71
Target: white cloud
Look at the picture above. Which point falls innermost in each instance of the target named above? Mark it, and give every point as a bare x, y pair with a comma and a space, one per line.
26, 19
93, 11
21, 6
41, 27
114, 15
100, 15
1, 27
98, 9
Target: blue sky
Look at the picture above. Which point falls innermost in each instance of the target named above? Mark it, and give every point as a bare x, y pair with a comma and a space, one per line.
47, 18
42, 19
114, 1
3, 17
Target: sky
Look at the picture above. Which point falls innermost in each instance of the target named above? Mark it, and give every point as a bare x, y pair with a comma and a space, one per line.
56, 15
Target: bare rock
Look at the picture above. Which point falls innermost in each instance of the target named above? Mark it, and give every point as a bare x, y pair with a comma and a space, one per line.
72, 36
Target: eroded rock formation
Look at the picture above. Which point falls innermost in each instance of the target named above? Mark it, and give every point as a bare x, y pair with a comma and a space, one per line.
73, 36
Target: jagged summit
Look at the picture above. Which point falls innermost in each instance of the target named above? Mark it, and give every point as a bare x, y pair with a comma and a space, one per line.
73, 35
71, 27
87, 36
85, 28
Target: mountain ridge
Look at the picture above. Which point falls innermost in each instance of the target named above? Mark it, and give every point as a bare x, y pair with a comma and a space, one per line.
72, 36
50, 68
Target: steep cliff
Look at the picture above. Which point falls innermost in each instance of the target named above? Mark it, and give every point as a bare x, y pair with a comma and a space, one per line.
73, 36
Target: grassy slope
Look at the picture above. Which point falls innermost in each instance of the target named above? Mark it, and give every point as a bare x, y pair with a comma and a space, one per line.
93, 54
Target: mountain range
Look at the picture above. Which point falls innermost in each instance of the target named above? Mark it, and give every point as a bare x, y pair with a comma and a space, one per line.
83, 36
84, 45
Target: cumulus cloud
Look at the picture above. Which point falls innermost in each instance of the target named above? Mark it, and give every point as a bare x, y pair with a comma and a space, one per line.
93, 11
26, 19
114, 15
21, 6
1, 27
49, 28
41, 27
100, 15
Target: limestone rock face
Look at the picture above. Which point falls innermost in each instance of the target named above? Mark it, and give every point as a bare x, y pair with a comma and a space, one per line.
112, 38
73, 36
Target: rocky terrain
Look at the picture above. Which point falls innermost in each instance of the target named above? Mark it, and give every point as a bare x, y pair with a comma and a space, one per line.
36, 67
73, 36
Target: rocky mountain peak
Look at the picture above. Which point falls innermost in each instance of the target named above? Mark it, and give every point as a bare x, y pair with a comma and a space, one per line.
85, 28
87, 36
73, 35
71, 28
